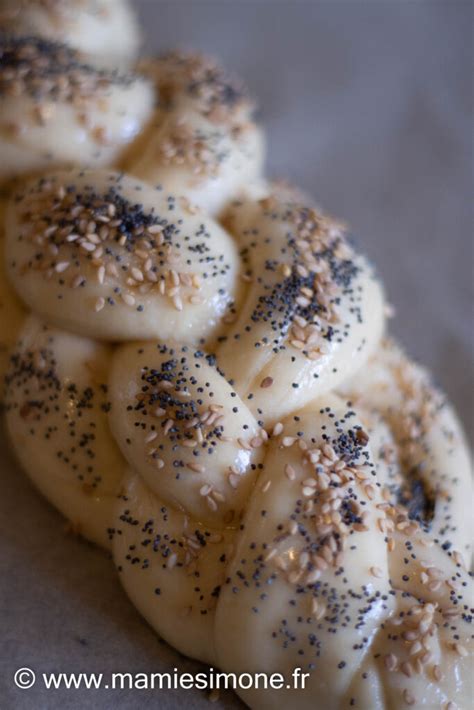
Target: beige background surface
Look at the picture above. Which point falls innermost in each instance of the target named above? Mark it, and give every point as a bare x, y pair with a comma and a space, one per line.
368, 105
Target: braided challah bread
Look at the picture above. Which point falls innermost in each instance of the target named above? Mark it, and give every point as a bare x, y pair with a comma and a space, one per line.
57, 109
105, 31
111, 257
428, 443
314, 308
204, 385
57, 404
203, 142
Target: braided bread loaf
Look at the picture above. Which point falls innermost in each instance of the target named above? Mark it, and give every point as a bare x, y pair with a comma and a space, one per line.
203, 141
204, 385
59, 109
103, 30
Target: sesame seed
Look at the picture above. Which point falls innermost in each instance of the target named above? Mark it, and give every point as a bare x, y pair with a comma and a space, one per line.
391, 662
406, 668
195, 300
168, 426
376, 572
415, 648
313, 576
172, 559
128, 299
178, 303
196, 467
233, 480
460, 650
277, 429
290, 472
211, 503
217, 495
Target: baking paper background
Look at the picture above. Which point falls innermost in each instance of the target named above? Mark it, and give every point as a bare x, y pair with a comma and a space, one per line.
368, 106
